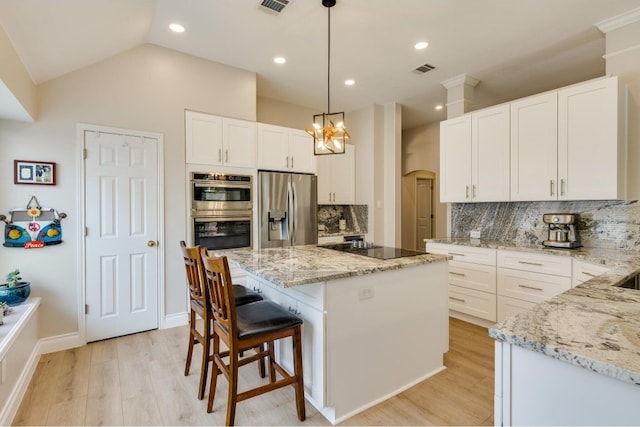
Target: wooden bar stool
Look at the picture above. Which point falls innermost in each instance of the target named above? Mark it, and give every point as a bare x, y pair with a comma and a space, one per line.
247, 327
198, 306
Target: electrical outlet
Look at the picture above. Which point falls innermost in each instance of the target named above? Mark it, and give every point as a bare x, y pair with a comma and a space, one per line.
475, 234
365, 293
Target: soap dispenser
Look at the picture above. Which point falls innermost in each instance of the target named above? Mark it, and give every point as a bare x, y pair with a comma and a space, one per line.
342, 222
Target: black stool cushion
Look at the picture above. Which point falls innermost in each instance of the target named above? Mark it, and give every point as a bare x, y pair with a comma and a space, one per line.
244, 296
263, 317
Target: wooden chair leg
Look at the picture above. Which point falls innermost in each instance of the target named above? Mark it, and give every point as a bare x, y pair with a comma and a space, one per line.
204, 370
187, 367
233, 387
297, 369
261, 367
272, 369
214, 373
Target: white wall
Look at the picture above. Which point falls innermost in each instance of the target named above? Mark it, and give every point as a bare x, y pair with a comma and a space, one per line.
146, 88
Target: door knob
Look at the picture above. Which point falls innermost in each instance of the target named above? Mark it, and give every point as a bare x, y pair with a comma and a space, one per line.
151, 243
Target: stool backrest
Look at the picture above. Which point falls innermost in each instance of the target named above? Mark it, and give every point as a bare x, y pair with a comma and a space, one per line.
217, 280
195, 274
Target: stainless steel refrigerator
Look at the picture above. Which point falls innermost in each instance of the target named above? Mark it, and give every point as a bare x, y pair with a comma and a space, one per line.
287, 209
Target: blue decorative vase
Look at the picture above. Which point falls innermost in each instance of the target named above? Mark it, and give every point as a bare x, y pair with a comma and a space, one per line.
16, 294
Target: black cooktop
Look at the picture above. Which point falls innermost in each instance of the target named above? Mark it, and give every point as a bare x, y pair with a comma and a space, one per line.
372, 251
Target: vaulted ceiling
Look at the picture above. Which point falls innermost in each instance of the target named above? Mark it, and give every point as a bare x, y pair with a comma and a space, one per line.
514, 47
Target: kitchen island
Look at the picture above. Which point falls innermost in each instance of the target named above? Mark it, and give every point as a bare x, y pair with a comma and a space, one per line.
372, 328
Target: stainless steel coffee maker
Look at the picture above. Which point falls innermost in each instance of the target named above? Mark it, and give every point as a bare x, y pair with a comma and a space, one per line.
562, 231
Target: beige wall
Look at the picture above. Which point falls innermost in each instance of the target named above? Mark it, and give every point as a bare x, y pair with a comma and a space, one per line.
283, 114
146, 88
421, 151
17, 91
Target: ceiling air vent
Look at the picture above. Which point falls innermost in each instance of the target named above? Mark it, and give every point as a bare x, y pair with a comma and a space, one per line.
274, 6
424, 68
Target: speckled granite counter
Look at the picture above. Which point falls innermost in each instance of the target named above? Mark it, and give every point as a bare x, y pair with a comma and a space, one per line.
595, 325
300, 265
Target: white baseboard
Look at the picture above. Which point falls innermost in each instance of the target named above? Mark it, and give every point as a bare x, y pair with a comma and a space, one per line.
173, 320
59, 343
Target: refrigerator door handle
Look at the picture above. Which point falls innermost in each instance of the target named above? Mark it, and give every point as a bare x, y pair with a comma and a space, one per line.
292, 213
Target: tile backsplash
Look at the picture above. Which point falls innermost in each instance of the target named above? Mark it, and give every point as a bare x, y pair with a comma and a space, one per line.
602, 224
356, 217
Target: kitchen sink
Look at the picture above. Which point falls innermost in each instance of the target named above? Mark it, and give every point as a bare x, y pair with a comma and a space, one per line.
632, 282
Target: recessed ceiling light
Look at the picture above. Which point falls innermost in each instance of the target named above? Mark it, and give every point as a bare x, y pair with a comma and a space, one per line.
421, 45
350, 82
439, 107
279, 60
176, 28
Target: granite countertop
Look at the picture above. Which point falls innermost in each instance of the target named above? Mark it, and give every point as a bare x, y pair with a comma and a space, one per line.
300, 265
595, 325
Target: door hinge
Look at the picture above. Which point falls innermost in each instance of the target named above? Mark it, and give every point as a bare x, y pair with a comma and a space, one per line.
86, 309
84, 153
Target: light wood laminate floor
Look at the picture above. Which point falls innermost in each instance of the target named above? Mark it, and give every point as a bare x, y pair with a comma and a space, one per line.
138, 380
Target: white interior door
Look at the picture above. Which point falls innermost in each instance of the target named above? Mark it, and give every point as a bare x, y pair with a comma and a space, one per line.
122, 228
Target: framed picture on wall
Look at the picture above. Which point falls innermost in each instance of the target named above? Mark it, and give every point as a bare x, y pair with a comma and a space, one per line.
34, 172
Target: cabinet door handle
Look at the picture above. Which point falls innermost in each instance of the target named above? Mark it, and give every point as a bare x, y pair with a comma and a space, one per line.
586, 273
454, 253
457, 299
466, 196
531, 287
287, 159
226, 156
473, 192
219, 155
537, 264
291, 162
551, 189
562, 187
455, 273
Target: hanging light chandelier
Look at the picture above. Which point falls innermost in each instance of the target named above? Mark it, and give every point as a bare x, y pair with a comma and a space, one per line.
328, 131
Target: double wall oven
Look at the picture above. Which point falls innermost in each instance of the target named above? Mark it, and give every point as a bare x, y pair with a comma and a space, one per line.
221, 210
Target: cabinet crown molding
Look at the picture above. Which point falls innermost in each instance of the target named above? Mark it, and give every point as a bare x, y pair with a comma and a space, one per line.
619, 21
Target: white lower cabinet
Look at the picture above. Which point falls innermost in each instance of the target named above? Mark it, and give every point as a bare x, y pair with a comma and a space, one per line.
525, 279
305, 302
583, 271
472, 280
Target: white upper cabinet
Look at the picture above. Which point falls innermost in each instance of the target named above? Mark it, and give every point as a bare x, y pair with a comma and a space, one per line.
591, 152
219, 141
285, 149
567, 144
490, 154
534, 148
455, 160
474, 157
337, 178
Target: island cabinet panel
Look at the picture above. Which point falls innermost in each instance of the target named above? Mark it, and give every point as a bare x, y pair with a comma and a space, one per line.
385, 332
306, 302
535, 389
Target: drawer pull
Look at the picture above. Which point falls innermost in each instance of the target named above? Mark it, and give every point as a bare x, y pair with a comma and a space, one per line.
537, 264
586, 273
531, 287
454, 253
457, 299
457, 274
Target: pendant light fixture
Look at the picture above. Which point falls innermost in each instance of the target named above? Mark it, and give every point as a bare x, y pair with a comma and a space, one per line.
328, 131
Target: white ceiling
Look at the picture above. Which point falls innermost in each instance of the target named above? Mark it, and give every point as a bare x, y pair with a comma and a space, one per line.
514, 47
